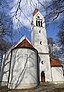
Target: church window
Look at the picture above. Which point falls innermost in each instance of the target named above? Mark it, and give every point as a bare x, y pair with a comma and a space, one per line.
38, 16
42, 62
39, 23
39, 31
41, 42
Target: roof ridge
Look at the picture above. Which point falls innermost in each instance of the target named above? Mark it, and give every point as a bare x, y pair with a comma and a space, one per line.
35, 11
55, 62
24, 43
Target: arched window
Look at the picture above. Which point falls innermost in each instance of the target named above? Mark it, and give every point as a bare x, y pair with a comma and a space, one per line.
42, 62
39, 22
38, 16
39, 31
41, 42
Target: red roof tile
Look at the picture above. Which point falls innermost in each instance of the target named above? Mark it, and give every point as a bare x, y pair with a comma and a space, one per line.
55, 62
24, 43
35, 11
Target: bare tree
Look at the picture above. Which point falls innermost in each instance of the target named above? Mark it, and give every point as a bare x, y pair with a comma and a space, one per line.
61, 34
54, 10
6, 34
50, 45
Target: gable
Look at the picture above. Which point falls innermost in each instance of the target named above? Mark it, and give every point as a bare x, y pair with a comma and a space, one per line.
38, 18
24, 43
55, 62
37, 13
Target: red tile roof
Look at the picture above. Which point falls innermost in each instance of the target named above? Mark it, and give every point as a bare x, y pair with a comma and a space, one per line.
24, 43
55, 62
35, 11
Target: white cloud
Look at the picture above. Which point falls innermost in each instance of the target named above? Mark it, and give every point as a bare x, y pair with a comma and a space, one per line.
25, 14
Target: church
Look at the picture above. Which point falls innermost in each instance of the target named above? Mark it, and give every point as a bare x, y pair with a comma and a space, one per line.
29, 63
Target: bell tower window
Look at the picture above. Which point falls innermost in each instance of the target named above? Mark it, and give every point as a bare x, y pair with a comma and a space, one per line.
39, 23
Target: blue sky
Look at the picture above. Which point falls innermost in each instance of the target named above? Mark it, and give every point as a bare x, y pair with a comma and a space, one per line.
24, 26
52, 30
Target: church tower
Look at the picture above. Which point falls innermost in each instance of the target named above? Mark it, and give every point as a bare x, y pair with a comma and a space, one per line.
39, 41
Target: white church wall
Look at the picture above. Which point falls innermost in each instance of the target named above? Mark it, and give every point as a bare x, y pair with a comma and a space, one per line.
40, 37
57, 75
23, 71
45, 66
5, 68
